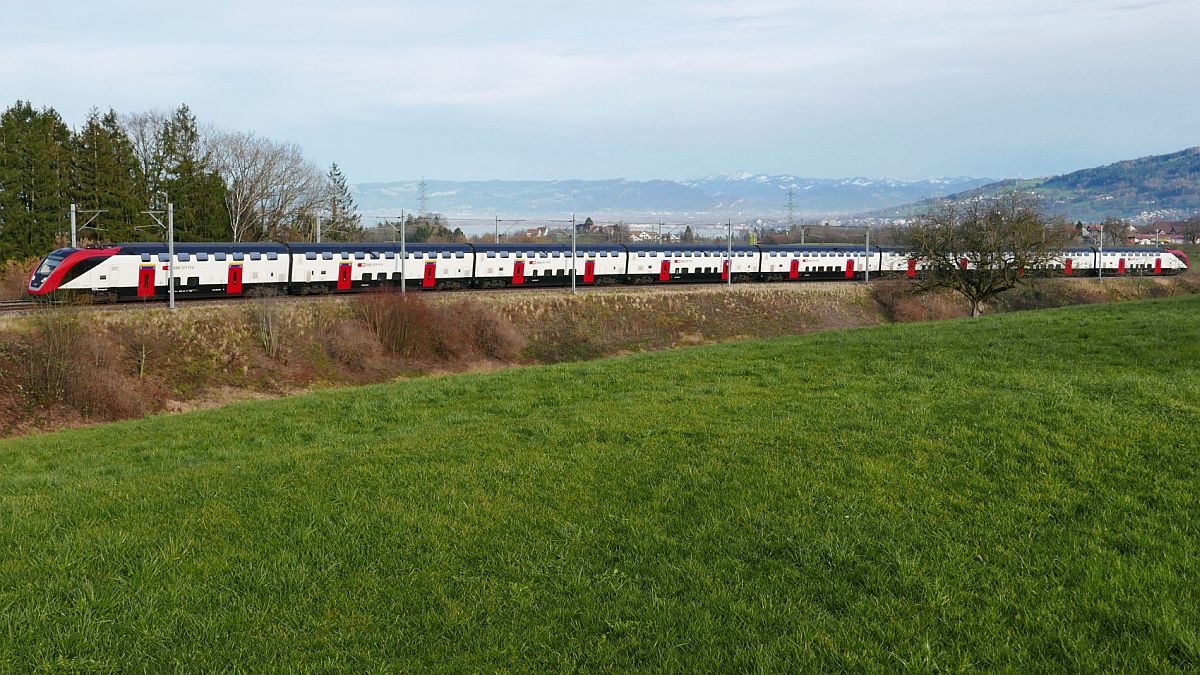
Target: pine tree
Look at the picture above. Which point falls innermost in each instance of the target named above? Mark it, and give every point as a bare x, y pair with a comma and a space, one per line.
107, 176
197, 192
35, 176
344, 222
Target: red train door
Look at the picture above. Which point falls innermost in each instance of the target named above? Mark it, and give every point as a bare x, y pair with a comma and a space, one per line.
725, 270
234, 287
912, 268
146, 281
1158, 265
664, 272
849, 269
430, 278
518, 273
1069, 267
794, 270
589, 272
343, 282
963, 263
1121, 266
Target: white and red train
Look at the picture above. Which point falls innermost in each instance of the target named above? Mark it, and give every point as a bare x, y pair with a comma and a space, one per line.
140, 271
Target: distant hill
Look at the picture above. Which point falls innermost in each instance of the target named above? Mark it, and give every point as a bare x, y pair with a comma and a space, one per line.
742, 194
1159, 187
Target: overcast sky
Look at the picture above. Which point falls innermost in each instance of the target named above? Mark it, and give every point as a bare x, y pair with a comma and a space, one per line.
638, 89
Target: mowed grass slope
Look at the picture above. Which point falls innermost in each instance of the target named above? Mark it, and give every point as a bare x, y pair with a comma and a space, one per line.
1019, 491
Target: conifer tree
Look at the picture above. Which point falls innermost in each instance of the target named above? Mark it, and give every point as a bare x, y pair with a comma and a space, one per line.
35, 177
345, 223
197, 192
107, 176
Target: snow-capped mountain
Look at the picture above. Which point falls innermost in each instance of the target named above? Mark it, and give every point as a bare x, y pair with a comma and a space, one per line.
740, 194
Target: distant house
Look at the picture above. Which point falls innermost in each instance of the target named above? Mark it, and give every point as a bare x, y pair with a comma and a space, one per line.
1160, 233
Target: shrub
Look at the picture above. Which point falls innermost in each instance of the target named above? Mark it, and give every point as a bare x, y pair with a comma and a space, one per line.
491, 334
351, 344
400, 321
49, 353
407, 325
14, 277
103, 385
267, 323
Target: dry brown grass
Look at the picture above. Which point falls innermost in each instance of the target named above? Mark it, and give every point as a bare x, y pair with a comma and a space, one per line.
14, 277
900, 302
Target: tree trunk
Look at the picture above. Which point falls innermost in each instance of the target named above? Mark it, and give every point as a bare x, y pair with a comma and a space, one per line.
976, 309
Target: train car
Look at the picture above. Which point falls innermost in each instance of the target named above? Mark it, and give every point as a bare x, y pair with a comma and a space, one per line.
805, 262
503, 265
342, 268
1140, 261
140, 271
690, 263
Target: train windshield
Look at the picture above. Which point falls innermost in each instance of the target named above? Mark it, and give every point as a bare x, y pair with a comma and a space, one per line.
53, 260
48, 265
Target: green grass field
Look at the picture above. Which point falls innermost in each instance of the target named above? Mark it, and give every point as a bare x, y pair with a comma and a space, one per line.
1017, 492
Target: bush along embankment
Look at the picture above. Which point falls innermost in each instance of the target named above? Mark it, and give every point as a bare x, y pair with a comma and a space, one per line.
64, 367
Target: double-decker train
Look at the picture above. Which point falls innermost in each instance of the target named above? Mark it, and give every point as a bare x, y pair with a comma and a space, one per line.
140, 271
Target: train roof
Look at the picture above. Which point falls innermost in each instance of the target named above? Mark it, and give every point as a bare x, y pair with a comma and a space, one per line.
548, 247
201, 247
392, 246
815, 247
689, 247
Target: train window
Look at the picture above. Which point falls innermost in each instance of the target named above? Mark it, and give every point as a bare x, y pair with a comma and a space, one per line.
556, 254
219, 256
183, 257
388, 255
193, 281
503, 254
395, 276
310, 256
201, 257
145, 257
255, 255
326, 256
641, 254
238, 256
459, 254
491, 254
162, 257
272, 256
382, 276
359, 255
543, 254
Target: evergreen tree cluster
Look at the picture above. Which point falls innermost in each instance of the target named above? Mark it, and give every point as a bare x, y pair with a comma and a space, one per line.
124, 165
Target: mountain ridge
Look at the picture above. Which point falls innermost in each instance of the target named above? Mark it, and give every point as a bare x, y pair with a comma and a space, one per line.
1149, 188
739, 194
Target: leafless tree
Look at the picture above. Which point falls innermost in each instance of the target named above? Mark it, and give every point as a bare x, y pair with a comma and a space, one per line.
272, 189
983, 247
144, 130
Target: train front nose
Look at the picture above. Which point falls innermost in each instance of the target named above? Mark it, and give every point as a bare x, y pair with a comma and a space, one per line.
39, 279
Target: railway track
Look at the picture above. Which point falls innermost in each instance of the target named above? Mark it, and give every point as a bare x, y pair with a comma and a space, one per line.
15, 305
